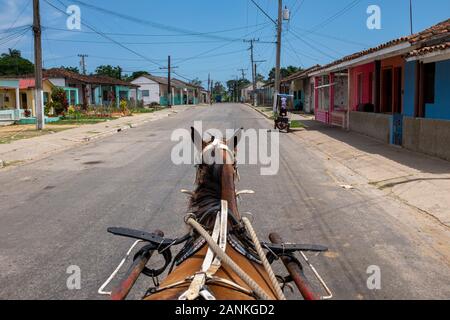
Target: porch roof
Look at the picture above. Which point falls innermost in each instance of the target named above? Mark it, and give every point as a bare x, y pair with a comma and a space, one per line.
439, 50
85, 79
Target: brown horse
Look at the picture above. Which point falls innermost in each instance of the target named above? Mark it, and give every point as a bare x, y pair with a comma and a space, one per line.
216, 182
222, 258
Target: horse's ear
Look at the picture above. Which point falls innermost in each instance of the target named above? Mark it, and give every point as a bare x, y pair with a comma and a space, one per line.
197, 139
235, 138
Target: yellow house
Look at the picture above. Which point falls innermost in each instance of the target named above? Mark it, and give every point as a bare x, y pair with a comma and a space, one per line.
17, 95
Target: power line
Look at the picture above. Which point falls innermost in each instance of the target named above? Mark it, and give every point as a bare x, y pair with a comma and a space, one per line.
216, 48
298, 8
27, 3
265, 13
312, 46
156, 35
151, 23
105, 36
137, 43
330, 19
332, 37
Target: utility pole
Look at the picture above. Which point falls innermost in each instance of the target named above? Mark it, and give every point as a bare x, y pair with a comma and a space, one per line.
209, 86
253, 68
40, 120
211, 92
278, 59
83, 63
169, 82
255, 94
410, 16
239, 87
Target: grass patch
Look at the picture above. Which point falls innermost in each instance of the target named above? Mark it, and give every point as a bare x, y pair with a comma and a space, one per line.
297, 124
144, 110
26, 133
81, 121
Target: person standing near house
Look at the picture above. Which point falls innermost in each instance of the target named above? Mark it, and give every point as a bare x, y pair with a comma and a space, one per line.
283, 107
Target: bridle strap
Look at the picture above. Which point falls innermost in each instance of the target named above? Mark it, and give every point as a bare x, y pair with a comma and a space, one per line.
217, 144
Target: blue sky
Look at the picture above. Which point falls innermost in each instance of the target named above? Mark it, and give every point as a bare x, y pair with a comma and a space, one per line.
314, 35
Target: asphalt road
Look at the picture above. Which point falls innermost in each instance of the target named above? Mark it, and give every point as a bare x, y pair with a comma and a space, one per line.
54, 214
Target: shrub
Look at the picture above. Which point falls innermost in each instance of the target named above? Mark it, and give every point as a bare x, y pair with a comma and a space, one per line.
59, 101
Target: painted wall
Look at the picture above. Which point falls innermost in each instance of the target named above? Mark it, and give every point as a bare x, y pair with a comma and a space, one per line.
440, 109
152, 86
340, 93
409, 88
365, 71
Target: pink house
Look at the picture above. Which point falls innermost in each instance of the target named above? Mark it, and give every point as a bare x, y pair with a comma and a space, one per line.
362, 87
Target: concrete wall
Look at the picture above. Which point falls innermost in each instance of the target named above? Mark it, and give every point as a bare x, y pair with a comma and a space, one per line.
427, 136
375, 125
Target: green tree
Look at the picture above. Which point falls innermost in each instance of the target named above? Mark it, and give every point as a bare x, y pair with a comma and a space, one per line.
284, 72
236, 85
72, 69
196, 82
110, 71
259, 77
12, 63
218, 88
137, 74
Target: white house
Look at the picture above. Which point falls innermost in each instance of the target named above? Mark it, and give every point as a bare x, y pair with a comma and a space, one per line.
149, 89
247, 91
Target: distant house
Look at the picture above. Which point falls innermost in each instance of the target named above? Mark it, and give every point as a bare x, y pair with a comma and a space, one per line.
265, 94
153, 89
18, 95
301, 86
90, 89
247, 91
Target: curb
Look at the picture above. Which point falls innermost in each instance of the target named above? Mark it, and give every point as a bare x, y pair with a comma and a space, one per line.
88, 139
259, 111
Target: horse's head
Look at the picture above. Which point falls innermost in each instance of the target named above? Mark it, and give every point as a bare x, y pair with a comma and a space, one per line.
216, 172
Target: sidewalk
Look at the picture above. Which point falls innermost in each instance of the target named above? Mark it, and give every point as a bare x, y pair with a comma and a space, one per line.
25, 150
413, 178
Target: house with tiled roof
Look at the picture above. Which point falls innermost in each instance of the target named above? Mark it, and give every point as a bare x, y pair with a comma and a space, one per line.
154, 89
301, 86
90, 89
17, 97
368, 91
426, 109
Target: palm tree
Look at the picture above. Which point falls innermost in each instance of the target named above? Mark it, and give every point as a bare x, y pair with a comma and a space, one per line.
12, 53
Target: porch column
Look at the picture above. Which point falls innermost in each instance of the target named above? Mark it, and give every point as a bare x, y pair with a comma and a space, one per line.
172, 96
316, 95
331, 80
17, 99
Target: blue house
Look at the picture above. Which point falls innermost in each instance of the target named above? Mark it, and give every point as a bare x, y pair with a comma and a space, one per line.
426, 109
427, 82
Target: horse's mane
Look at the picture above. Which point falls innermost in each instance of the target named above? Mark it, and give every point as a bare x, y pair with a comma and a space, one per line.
206, 198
